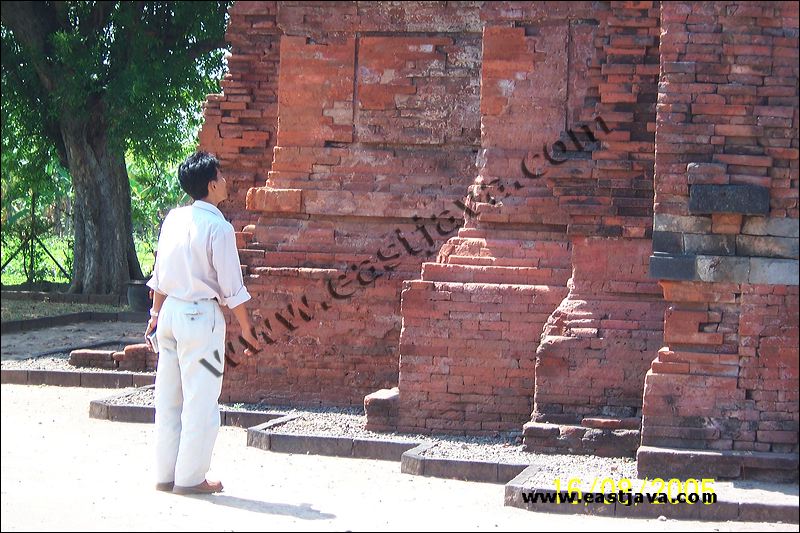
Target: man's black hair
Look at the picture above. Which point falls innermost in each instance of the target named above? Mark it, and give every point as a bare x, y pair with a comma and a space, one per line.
195, 173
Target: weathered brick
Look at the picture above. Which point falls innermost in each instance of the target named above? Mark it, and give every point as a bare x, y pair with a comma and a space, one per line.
774, 271
777, 227
675, 267
763, 246
469, 79
723, 269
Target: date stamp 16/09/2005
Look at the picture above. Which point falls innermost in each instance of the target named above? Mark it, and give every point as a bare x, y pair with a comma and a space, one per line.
626, 491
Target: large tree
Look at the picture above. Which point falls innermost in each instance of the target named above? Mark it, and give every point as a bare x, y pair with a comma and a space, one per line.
88, 82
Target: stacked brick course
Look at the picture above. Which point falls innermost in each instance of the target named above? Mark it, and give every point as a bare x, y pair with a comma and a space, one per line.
240, 125
725, 238
598, 344
377, 135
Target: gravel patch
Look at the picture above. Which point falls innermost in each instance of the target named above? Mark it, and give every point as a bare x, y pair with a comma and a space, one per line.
138, 397
506, 447
551, 466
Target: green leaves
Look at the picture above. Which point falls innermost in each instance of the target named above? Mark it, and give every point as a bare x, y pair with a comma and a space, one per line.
144, 68
150, 65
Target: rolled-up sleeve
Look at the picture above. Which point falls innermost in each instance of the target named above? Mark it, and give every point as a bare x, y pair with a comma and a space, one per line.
153, 283
225, 258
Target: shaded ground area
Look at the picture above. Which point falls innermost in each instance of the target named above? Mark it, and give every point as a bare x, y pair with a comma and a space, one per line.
63, 471
27, 309
65, 338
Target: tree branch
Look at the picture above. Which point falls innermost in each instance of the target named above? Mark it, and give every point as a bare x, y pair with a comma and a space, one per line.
32, 24
203, 47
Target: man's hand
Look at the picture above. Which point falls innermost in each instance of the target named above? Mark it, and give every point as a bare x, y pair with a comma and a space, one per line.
152, 324
253, 342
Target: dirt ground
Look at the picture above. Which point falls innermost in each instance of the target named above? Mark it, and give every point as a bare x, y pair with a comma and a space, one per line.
28, 343
63, 471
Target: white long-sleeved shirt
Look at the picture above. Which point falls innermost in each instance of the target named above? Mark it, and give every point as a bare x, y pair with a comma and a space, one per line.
197, 257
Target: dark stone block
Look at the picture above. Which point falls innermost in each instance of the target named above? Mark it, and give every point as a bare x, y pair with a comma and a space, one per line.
679, 511
721, 511
104, 380
14, 376
412, 462
132, 413
514, 498
506, 472
466, 470
12, 326
714, 268
668, 242
245, 419
675, 267
743, 199
762, 246
709, 244
333, 446
54, 377
132, 316
142, 380
384, 450
653, 462
258, 439
767, 512
98, 409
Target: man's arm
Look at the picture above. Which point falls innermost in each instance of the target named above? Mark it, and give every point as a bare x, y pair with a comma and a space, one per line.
240, 312
225, 258
152, 324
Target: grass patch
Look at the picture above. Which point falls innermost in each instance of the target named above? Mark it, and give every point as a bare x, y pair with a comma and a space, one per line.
27, 309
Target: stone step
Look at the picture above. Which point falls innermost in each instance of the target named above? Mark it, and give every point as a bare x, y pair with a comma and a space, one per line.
578, 439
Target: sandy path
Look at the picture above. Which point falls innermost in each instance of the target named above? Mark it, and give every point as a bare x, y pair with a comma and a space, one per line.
27, 343
63, 471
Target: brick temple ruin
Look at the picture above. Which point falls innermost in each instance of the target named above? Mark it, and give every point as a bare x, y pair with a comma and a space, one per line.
576, 220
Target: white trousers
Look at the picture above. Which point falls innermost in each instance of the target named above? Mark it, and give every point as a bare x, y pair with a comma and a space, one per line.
187, 389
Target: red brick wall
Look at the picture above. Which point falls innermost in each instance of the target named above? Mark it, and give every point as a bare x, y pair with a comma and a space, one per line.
597, 181
380, 113
597, 346
373, 131
240, 125
599, 343
727, 129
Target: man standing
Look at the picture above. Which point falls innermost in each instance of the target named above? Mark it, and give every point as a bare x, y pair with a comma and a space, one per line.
197, 269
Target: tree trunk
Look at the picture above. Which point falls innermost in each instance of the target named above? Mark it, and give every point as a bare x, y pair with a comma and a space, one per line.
104, 254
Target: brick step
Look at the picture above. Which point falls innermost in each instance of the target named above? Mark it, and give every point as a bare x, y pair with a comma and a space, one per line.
316, 273
345, 203
494, 274
243, 238
405, 267
578, 439
667, 463
493, 261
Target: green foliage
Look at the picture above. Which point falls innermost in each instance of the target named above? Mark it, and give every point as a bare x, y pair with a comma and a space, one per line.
162, 76
147, 65
17, 271
154, 191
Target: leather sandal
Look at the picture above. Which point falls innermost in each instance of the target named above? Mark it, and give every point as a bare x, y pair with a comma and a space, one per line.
206, 487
